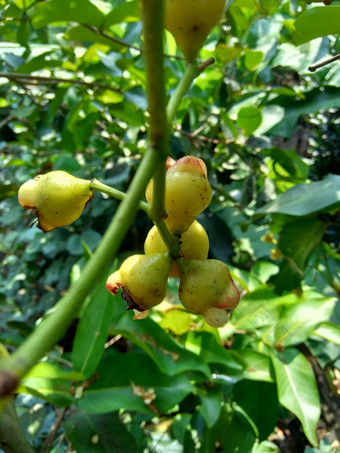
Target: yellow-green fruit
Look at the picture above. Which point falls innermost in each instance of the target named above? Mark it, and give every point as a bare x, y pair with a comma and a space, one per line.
57, 198
187, 193
194, 245
144, 280
206, 284
216, 317
190, 22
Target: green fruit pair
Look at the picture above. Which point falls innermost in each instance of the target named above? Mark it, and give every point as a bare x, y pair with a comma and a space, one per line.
194, 244
57, 198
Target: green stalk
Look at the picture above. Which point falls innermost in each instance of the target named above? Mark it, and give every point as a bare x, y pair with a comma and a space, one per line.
191, 73
115, 193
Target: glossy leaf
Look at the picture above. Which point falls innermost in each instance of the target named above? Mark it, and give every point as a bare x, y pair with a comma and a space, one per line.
92, 331
81, 11
317, 22
297, 389
305, 199
328, 331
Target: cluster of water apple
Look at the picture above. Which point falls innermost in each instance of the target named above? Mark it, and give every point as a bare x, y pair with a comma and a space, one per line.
205, 284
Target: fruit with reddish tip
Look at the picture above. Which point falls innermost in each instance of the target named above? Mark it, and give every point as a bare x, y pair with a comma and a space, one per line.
194, 245
143, 279
216, 317
206, 284
190, 22
57, 198
187, 193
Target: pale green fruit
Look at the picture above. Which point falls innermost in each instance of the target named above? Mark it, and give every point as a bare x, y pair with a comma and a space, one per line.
190, 22
57, 198
144, 280
216, 317
206, 284
187, 193
194, 245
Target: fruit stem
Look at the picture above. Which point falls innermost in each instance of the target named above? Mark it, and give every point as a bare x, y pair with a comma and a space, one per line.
189, 76
114, 193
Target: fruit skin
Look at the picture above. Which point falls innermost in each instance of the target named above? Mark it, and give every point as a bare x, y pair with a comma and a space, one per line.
206, 284
194, 245
144, 280
190, 22
187, 193
57, 198
216, 317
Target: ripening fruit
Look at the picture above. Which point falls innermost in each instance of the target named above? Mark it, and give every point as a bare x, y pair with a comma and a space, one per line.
144, 280
190, 22
57, 198
206, 284
216, 317
194, 245
187, 193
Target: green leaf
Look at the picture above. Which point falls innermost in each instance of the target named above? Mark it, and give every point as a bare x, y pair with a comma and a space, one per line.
171, 357
211, 404
133, 382
98, 433
125, 12
177, 321
50, 383
83, 34
249, 119
304, 199
81, 11
297, 389
317, 22
328, 331
258, 366
297, 240
252, 58
290, 161
211, 351
259, 401
298, 321
92, 330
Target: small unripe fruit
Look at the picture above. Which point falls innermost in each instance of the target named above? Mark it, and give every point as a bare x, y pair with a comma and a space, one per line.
187, 193
57, 198
144, 280
206, 284
194, 245
216, 317
190, 22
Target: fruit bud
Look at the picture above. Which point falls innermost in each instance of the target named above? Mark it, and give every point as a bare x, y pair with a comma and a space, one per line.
190, 22
143, 279
187, 193
206, 284
194, 245
216, 317
57, 198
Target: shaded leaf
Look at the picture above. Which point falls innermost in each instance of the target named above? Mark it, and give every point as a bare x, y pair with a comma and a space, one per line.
98, 433
118, 377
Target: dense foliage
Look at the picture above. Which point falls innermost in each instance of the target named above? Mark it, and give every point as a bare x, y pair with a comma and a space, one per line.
72, 97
